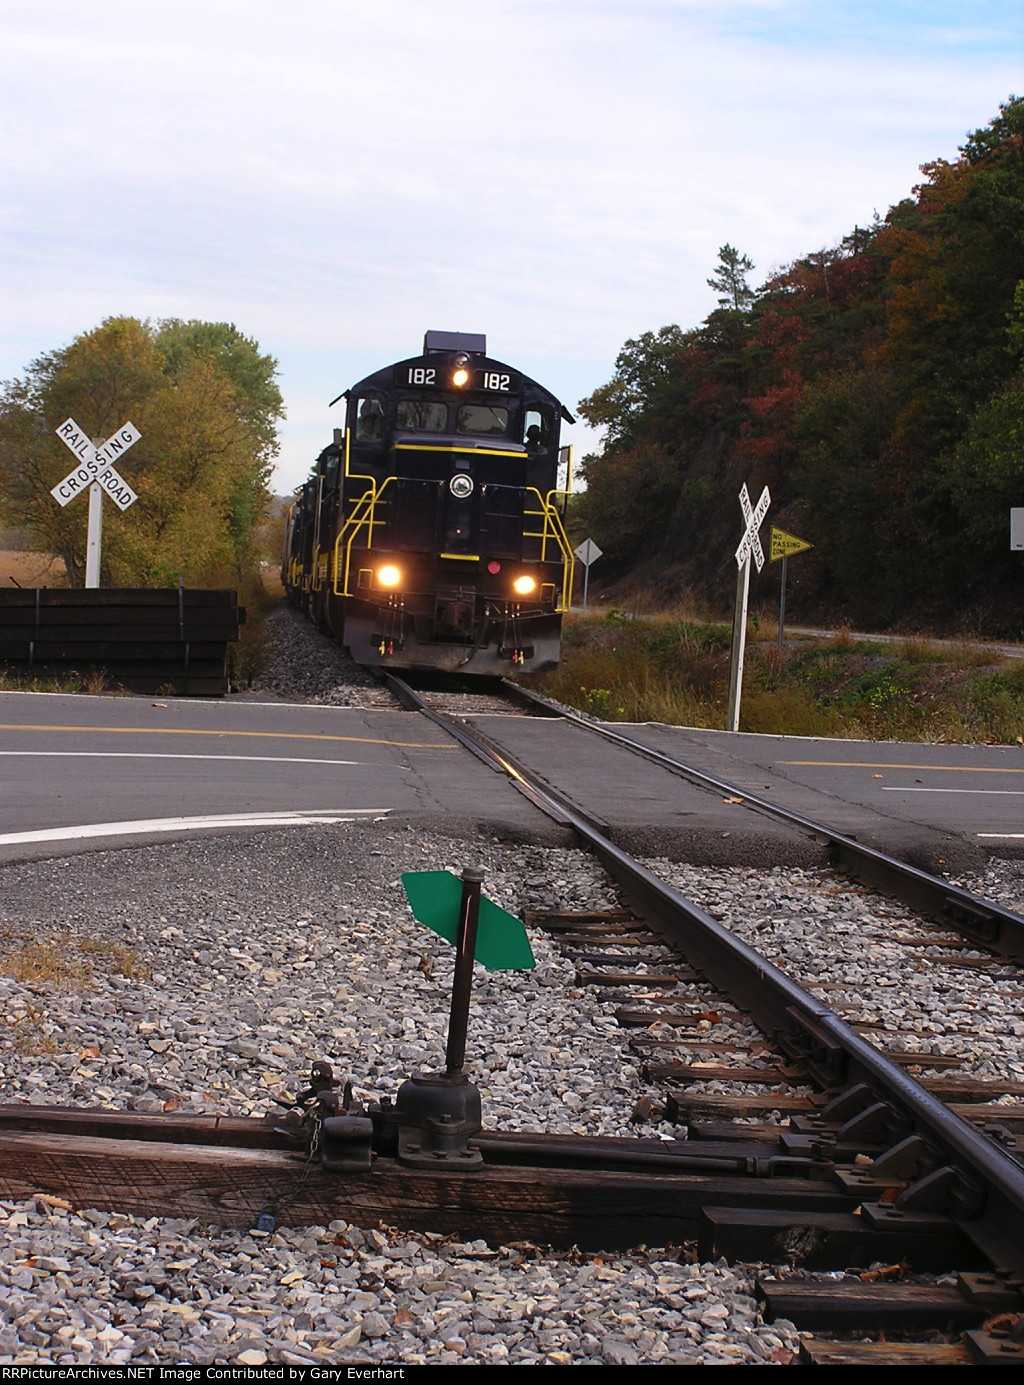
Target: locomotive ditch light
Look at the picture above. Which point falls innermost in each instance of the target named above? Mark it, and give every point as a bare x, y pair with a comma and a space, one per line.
460, 372
523, 586
461, 485
389, 576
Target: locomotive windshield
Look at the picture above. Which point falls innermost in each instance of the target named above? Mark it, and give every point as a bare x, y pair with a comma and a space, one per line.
421, 416
482, 418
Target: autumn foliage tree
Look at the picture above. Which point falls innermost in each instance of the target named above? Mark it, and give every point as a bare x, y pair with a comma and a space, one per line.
877, 386
206, 403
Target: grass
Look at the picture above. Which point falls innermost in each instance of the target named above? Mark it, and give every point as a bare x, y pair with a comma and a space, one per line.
30, 1034
26, 569
673, 667
259, 595
65, 964
94, 681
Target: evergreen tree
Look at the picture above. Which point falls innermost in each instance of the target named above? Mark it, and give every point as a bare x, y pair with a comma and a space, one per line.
730, 281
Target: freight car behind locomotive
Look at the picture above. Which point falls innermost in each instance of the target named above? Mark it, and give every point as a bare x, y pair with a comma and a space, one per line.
430, 534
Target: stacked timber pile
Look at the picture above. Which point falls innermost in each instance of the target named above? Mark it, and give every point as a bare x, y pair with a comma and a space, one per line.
146, 640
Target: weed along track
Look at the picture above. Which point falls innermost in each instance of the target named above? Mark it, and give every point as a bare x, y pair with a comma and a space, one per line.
674, 668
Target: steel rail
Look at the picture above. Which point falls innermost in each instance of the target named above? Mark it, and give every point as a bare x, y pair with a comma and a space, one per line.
988, 925
988, 1183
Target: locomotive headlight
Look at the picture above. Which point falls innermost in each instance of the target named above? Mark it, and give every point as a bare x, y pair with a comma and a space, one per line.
460, 372
388, 576
461, 485
523, 586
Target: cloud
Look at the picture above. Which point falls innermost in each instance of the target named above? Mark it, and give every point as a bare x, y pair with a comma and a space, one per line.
557, 173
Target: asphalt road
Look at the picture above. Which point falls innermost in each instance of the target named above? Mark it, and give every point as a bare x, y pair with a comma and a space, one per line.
937, 806
973, 790
83, 772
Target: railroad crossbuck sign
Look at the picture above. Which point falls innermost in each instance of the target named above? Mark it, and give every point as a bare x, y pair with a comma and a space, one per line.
750, 547
751, 542
97, 474
96, 464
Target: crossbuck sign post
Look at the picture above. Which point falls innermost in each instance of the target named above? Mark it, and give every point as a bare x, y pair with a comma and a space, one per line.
96, 472
750, 545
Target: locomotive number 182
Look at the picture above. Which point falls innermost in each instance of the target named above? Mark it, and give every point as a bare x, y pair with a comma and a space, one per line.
497, 381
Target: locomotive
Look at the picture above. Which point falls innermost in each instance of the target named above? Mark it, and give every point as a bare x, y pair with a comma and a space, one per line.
431, 531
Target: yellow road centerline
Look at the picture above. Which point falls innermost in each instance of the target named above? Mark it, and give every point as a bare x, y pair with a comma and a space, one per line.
265, 735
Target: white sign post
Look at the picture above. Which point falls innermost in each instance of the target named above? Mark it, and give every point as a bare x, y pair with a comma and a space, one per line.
750, 544
95, 471
588, 552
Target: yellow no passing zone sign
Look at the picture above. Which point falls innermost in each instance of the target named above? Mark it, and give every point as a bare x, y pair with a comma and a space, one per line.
784, 545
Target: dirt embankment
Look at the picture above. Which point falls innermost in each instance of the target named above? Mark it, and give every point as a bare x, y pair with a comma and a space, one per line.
31, 569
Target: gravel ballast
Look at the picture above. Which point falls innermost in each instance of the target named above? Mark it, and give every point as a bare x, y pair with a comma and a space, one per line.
205, 975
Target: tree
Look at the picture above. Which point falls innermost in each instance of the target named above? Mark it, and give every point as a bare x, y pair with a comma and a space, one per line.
205, 402
252, 377
730, 280
236, 357
628, 501
642, 385
878, 385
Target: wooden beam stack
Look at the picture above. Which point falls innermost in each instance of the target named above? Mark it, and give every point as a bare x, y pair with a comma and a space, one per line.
148, 640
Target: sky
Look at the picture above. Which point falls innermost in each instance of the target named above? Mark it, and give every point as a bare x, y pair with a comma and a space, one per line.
335, 177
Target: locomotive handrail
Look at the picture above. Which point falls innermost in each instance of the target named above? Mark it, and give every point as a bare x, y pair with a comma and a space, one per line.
552, 518
315, 582
362, 515
354, 475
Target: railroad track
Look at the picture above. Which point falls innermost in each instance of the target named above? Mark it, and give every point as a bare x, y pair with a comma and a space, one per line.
983, 923
805, 1145
864, 1116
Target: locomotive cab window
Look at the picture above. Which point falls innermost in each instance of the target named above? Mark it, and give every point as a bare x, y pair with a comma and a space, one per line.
369, 419
537, 429
329, 471
421, 416
483, 419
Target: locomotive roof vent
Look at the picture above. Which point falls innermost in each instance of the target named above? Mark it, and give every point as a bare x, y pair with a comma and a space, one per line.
473, 342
